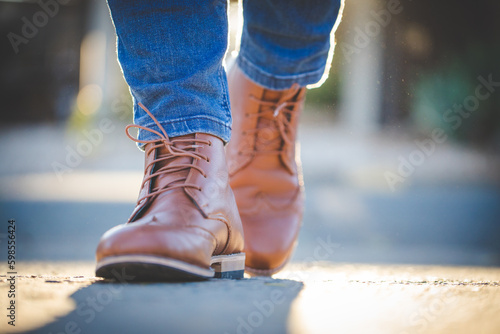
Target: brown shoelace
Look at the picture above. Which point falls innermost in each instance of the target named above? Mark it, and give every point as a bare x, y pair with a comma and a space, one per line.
282, 112
188, 150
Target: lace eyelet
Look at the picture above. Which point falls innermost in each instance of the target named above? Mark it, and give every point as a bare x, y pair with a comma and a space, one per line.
209, 143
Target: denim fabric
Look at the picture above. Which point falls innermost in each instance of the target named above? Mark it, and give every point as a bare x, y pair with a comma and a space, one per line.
286, 41
171, 55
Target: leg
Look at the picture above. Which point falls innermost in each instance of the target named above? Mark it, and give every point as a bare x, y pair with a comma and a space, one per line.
185, 225
285, 46
171, 55
287, 41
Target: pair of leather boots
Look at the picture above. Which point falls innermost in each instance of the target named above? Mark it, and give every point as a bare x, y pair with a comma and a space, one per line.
202, 207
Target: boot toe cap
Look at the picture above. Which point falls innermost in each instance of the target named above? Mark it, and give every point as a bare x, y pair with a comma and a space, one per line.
269, 243
188, 244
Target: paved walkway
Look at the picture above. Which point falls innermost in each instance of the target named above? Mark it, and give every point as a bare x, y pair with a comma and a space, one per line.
306, 298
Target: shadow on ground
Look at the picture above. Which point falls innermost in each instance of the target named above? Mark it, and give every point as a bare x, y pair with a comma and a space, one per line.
215, 306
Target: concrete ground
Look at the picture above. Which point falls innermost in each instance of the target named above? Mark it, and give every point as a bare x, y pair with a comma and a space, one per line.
305, 298
421, 258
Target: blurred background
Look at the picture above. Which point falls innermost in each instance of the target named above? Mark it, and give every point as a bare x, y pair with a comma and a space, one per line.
400, 145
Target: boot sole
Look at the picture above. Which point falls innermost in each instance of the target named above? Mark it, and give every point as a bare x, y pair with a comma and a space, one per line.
148, 268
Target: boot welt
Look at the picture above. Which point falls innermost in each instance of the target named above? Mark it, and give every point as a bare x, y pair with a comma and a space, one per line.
144, 268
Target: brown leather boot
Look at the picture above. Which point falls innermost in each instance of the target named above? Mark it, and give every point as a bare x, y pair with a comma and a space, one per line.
186, 224
264, 170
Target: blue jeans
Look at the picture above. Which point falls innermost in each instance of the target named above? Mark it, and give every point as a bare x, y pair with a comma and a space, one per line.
171, 54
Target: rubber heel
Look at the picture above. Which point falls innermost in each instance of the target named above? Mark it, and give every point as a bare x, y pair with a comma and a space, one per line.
229, 266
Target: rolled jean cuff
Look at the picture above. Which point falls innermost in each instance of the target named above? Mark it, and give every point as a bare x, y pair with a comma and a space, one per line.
277, 82
180, 127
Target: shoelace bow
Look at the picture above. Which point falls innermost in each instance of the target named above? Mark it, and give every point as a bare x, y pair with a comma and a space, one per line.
173, 152
282, 111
